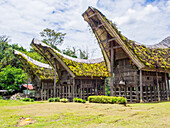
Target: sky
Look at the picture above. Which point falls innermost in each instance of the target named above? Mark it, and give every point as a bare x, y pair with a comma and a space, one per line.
144, 21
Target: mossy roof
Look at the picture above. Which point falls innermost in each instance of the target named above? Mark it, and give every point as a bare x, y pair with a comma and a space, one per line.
77, 67
35, 68
144, 57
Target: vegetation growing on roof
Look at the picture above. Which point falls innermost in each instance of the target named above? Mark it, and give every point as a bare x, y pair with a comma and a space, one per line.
152, 58
43, 73
84, 69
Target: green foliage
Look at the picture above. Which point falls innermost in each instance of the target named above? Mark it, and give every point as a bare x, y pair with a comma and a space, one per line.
70, 52
57, 99
0, 97
51, 100
28, 100
83, 101
107, 99
84, 69
152, 58
64, 100
52, 38
79, 100
11, 78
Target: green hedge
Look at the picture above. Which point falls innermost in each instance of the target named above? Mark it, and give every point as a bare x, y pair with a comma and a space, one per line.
64, 100
79, 100
57, 99
107, 99
28, 100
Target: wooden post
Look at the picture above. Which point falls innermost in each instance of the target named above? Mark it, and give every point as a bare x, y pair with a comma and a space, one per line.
73, 88
55, 70
63, 88
81, 88
104, 88
96, 88
130, 93
42, 90
111, 82
27, 84
157, 82
141, 88
166, 84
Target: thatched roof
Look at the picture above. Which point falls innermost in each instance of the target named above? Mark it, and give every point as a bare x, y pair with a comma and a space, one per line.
35, 68
76, 67
143, 57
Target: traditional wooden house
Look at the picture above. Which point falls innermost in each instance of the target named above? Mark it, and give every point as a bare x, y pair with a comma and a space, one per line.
140, 72
77, 77
42, 75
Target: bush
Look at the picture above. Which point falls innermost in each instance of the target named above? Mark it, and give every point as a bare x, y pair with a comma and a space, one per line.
57, 99
64, 100
75, 99
83, 101
28, 100
51, 100
0, 97
107, 99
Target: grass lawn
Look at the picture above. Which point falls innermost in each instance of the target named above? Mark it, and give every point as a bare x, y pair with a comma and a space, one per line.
89, 115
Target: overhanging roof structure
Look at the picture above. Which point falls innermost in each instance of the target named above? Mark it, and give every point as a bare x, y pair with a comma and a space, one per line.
143, 57
34, 68
76, 67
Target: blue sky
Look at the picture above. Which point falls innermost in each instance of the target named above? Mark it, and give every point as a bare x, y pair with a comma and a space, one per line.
146, 22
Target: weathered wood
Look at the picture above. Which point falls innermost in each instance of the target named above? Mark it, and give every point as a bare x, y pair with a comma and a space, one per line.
130, 93
55, 71
73, 88
141, 88
27, 84
166, 85
81, 84
42, 90
157, 82
111, 82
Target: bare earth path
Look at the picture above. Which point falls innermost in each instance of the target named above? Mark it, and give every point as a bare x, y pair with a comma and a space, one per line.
89, 115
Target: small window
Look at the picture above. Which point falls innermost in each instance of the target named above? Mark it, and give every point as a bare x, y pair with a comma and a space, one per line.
148, 78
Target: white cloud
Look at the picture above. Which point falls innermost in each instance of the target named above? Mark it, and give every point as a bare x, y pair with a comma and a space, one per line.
144, 22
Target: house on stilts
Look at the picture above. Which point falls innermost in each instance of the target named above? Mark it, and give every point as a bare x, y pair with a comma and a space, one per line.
76, 77
141, 73
41, 75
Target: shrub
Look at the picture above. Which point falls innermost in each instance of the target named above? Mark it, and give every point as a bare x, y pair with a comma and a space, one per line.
57, 99
79, 100
0, 97
28, 100
107, 99
64, 100
75, 99
83, 101
51, 100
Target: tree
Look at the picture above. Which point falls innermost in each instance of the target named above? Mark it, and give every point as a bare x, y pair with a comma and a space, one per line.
11, 78
70, 52
52, 38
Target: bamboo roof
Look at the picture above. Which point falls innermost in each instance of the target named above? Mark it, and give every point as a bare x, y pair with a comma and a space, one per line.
145, 58
35, 68
76, 67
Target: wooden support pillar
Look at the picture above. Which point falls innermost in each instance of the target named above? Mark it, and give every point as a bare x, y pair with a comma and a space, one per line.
166, 85
104, 88
55, 70
63, 91
81, 84
157, 82
27, 84
96, 88
42, 90
141, 87
125, 91
73, 88
111, 82
130, 93
66, 91
47, 94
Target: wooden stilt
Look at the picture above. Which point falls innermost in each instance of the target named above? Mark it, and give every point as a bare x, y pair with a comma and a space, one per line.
111, 82
141, 88
130, 93
42, 90
73, 88
96, 88
81, 84
157, 82
27, 84
55, 70
166, 84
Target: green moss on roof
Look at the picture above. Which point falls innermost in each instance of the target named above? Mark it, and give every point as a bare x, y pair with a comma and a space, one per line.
150, 57
84, 69
41, 72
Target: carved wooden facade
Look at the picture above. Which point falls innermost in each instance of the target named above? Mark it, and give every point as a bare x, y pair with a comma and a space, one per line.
140, 73
76, 77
